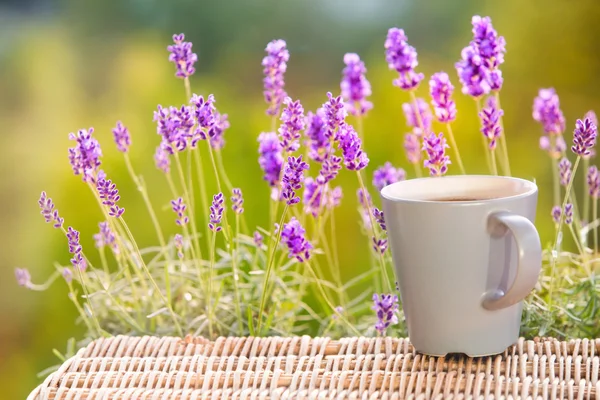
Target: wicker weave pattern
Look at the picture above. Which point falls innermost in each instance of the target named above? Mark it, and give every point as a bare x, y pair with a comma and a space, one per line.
310, 368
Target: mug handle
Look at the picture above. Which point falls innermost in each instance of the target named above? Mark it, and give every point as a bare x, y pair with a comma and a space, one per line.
529, 258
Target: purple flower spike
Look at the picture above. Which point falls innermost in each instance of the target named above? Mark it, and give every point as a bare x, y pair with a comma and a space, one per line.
441, 90
413, 115
275, 65
122, 137
75, 248
379, 218
67, 274
413, 148
178, 241
564, 166
216, 213
106, 237
569, 213
293, 237
316, 132
23, 277
491, 48
472, 73
179, 208
490, 122
335, 114
334, 197
270, 159
386, 308
435, 147
559, 147
204, 118
402, 57
47, 210
175, 126
591, 115
161, 159
556, 214
312, 196
355, 86
217, 141
546, 110
237, 201
109, 194
329, 169
292, 179
85, 156
355, 159
379, 245
584, 137
593, 182
182, 56
386, 175
257, 238
292, 119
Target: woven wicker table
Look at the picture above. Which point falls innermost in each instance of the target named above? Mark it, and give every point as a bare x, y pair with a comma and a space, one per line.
318, 368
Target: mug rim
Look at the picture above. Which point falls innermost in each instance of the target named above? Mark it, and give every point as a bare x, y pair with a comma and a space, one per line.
531, 189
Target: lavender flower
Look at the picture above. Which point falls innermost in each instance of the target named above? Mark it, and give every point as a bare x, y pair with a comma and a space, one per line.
161, 159
490, 122
106, 237
178, 240
237, 201
174, 125
182, 56
355, 87
386, 308
270, 159
402, 57
412, 147
415, 116
569, 213
591, 115
292, 179
109, 194
435, 147
546, 110
204, 118
292, 119
379, 245
67, 274
312, 196
316, 132
334, 197
335, 114
366, 203
85, 156
472, 73
349, 142
559, 145
122, 137
221, 124
564, 166
593, 182
293, 236
491, 48
75, 248
329, 169
23, 277
275, 65
556, 214
179, 208
379, 218
47, 210
257, 238
386, 175
584, 137
338, 310
216, 212
441, 90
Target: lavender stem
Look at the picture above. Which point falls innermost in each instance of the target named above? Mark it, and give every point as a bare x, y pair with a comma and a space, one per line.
595, 217
453, 143
586, 197
505, 158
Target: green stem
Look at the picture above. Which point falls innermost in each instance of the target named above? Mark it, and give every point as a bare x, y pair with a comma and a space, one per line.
494, 166
555, 181
595, 217
271, 257
483, 138
210, 283
586, 197
418, 172
453, 143
203, 192
236, 275
188, 88
505, 157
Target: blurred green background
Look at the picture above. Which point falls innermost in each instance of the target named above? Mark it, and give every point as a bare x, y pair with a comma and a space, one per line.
66, 65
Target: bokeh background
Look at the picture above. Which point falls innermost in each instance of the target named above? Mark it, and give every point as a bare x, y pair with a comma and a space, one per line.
71, 64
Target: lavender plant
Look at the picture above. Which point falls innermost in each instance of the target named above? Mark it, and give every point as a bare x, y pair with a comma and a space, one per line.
213, 275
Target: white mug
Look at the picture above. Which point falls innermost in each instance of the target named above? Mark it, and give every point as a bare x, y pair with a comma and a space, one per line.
466, 253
